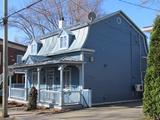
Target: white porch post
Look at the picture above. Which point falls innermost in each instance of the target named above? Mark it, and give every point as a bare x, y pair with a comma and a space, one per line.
81, 76
39, 78
61, 85
26, 86
10, 84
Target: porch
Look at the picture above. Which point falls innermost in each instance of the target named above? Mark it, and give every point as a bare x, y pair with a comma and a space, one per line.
57, 86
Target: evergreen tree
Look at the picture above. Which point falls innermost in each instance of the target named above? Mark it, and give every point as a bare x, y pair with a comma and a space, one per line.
151, 99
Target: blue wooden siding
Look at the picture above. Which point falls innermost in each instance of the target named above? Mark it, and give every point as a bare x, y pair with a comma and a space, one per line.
116, 68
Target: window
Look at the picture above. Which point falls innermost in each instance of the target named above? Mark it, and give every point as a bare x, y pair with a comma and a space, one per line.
63, 42
19, 59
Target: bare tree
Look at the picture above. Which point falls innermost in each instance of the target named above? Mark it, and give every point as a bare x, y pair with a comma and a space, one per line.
43, 17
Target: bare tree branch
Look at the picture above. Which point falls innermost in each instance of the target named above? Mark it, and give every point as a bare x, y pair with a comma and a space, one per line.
43, 17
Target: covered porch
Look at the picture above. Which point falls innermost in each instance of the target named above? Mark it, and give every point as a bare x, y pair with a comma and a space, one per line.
58, 85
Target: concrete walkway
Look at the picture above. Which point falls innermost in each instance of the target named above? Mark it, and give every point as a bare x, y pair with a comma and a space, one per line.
131, 111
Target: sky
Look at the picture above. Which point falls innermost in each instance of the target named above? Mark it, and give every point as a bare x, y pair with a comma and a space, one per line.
140, 16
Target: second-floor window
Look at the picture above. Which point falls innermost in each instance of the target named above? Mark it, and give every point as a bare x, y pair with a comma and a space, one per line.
63, 42
19, 59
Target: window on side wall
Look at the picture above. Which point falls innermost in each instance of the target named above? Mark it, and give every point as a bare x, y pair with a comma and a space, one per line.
63, 42
19, 59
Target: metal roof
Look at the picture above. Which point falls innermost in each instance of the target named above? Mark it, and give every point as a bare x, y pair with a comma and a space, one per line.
50, 62
50, 43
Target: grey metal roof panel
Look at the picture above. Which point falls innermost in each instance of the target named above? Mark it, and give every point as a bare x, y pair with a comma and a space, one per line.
51, 45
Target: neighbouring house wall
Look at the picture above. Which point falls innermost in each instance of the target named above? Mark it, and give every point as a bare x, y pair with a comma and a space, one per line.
12, 55
116, 67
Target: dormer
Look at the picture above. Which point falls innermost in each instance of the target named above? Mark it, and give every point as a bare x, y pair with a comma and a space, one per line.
35, 47
65, 39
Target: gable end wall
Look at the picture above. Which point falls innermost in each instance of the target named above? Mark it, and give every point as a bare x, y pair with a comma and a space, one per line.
116, 68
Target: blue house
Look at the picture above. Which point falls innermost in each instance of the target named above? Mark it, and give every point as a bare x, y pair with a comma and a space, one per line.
99, 62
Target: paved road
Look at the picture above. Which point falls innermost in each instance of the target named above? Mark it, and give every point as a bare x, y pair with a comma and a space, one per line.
117, 112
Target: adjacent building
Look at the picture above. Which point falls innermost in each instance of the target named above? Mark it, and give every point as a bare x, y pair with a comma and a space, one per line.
99, 62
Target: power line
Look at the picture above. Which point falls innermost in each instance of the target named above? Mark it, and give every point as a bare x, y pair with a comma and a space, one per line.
137, 5
27, 7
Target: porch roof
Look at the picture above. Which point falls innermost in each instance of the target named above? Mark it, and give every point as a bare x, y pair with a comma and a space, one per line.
46, 63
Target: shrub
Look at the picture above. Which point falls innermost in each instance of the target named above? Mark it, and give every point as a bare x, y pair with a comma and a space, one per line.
32, 100
151, 99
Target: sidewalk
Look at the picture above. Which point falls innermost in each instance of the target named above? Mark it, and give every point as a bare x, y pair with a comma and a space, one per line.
132, 111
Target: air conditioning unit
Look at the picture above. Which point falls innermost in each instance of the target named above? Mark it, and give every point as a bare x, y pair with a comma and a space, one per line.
139, 87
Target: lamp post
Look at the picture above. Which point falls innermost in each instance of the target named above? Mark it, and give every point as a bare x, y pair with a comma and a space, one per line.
5, 60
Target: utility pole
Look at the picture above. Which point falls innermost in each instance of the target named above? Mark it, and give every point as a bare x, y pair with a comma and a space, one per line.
5, 60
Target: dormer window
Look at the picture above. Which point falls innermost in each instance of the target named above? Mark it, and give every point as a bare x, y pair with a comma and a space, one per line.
63, 42
65, 38
33, 48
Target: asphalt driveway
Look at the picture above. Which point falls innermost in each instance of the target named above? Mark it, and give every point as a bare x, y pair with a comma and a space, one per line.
129, 111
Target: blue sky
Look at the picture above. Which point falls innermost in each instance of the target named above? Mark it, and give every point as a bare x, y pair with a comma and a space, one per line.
140, 16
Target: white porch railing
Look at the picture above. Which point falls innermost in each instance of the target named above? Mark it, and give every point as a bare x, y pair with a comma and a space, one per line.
53, 97
17, 93
49, 96
72, 97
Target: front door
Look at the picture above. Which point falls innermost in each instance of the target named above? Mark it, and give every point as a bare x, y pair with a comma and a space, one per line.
34, 79
67, 78
50, 79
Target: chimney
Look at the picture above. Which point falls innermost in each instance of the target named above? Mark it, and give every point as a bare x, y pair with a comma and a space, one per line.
61, 23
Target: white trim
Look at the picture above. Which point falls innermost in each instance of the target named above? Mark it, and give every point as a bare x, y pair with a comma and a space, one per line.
108, 103
26, 85
19, 72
